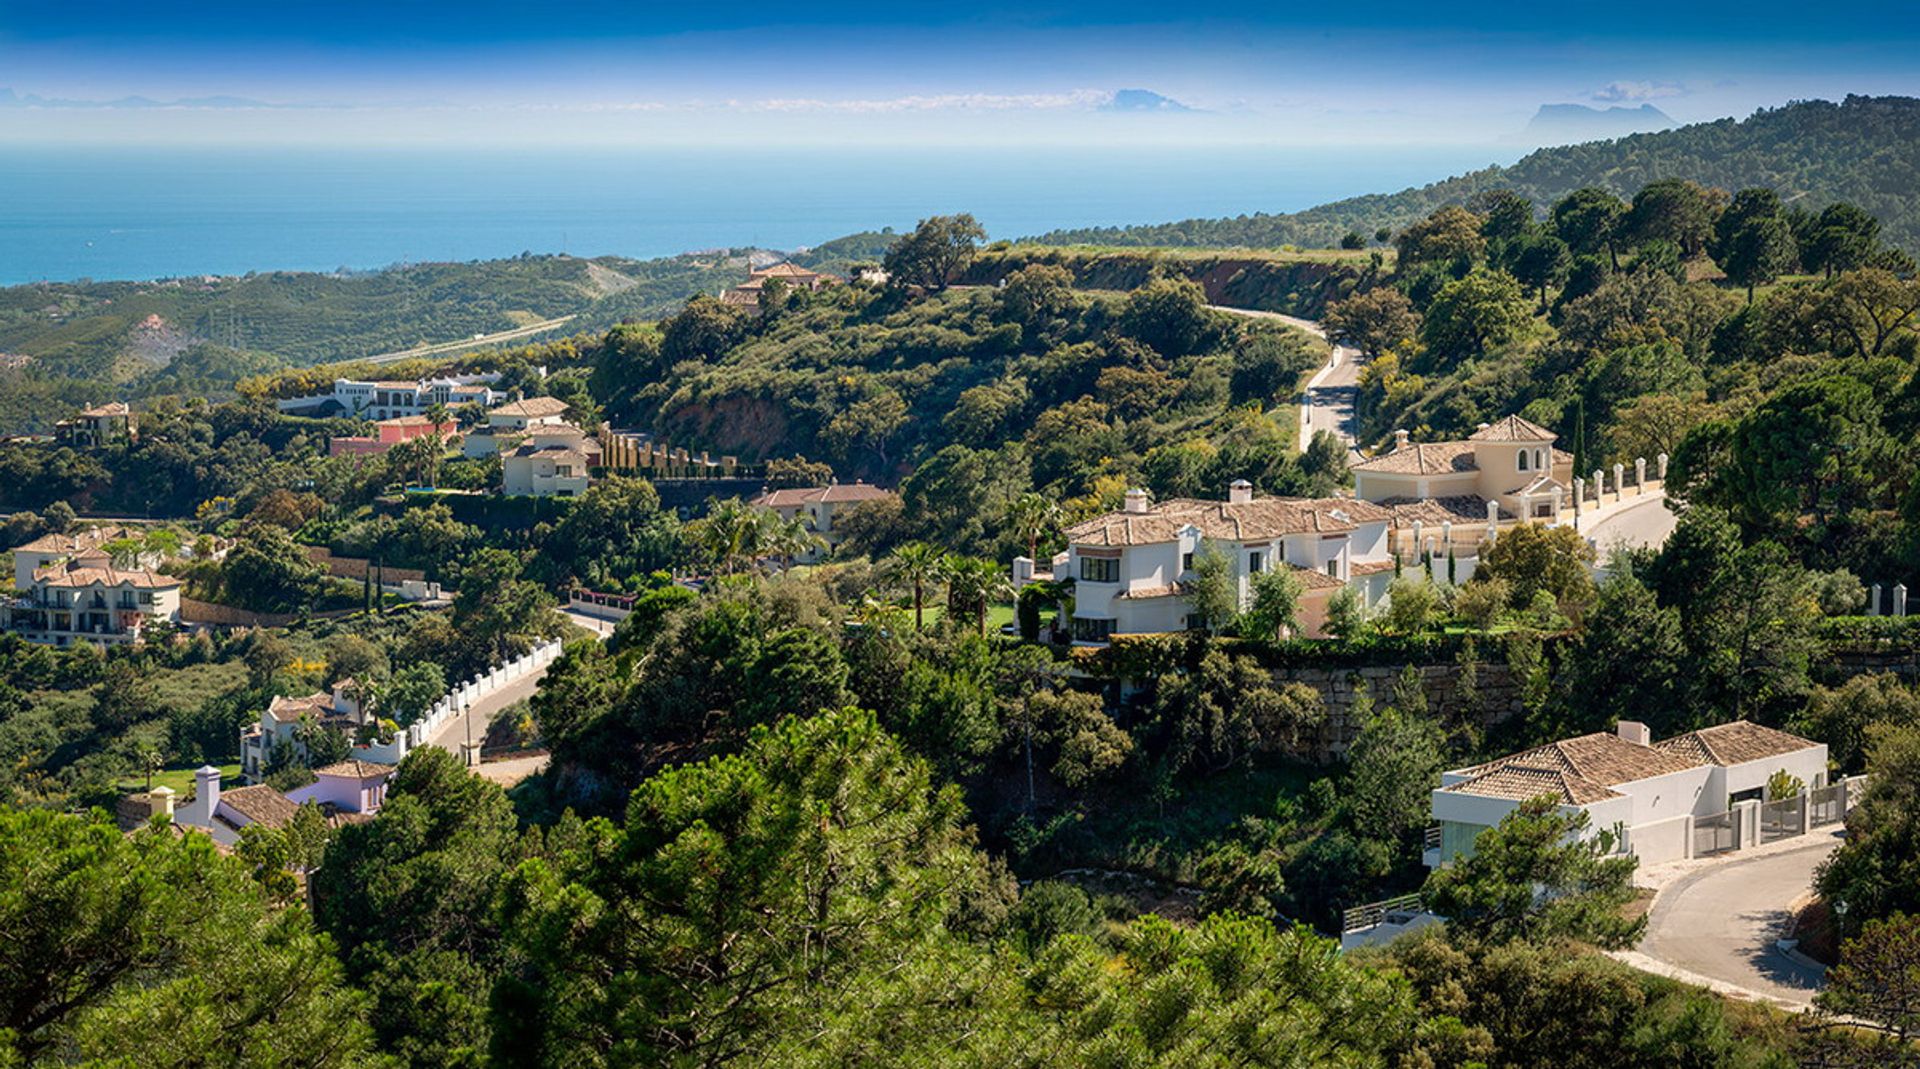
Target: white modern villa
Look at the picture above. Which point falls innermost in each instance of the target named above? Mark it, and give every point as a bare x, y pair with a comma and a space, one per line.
1649, 795
389, 399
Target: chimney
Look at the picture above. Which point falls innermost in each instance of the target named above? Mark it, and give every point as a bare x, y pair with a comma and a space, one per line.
1635, 732
1483, 426
206, 784
1136, 500
160, 802
1399, 440
1240, 492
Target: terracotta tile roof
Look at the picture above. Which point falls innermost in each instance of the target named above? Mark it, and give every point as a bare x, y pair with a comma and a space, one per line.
74, 578
836, 494
1148, 593
1513, 429
785, 270
287, 710
111, 408
532, 406
1313, 580
1521, 782
1602, 758
73, 541
1734, 743
260, 804
1263, 517
1370, 567
409, 421
354, 768
1424, 458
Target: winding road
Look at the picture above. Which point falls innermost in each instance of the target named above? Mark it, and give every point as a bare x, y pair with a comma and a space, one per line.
1327, 404
1715, 922
454, 734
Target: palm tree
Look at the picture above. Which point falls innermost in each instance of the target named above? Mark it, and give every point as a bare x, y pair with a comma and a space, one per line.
794, 538
918, 564
1033, 516
972, 584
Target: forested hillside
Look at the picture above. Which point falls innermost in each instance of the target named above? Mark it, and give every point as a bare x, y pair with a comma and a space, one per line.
198, 336
1864, 150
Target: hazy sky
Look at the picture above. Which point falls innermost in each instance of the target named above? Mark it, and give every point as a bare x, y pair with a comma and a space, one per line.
587, 71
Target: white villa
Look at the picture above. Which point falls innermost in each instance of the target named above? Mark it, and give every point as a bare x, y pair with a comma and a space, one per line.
346, 792
554, 460
390, 399
67, 588
1132, 567
508, 425
338, 708
817, 505
1648, 795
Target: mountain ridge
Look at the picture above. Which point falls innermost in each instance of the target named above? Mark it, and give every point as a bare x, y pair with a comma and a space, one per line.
1865, 150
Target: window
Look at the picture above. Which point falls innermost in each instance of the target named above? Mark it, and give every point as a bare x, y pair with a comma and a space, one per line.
1091, 629
1196, 622
1099, 570
1254, 561
1523, 460
1186, 562
1333, 567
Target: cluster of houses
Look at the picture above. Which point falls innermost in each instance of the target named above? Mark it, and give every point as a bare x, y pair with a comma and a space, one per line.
1418, 502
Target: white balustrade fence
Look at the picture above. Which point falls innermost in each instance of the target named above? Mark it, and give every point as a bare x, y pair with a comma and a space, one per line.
472, 690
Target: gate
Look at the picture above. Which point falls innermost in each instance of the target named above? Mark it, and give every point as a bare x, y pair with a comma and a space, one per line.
1782, 819
1716, 834
1827, 805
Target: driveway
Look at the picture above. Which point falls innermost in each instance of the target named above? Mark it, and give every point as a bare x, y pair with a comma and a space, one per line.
1717, 920
1329, 395
1636, 523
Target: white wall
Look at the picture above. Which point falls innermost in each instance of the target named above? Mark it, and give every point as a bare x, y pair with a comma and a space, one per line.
1663, 840
1810, 765
1675, 794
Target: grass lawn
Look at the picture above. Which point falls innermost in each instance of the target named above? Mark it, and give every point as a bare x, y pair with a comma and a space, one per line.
180, 778
998, 615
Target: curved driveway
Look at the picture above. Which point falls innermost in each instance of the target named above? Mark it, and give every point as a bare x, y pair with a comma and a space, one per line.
1718, 920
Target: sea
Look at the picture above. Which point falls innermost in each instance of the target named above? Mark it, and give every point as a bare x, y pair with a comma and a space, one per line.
141, 213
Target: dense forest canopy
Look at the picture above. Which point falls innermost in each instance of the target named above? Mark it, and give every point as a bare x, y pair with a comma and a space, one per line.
1865, 150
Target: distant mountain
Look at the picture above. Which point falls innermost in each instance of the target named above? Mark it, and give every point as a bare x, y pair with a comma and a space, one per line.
1142, 100
1561, 124
1865, 150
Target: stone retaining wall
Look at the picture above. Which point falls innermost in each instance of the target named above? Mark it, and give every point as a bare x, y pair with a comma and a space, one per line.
1499, 694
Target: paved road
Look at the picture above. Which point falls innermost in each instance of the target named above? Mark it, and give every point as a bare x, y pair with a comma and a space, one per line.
1720, 922
1637, 523
1330, 394
455, 732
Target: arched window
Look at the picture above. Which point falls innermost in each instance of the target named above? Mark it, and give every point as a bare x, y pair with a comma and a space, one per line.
1523, 460
1540, 459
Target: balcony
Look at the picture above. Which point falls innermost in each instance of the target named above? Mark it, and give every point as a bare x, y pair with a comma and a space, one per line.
1430, 846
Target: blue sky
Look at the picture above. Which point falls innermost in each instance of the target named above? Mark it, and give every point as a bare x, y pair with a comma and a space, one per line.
589, 71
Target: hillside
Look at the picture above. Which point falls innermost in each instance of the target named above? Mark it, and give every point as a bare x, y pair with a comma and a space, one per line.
86, 341
1865, 150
